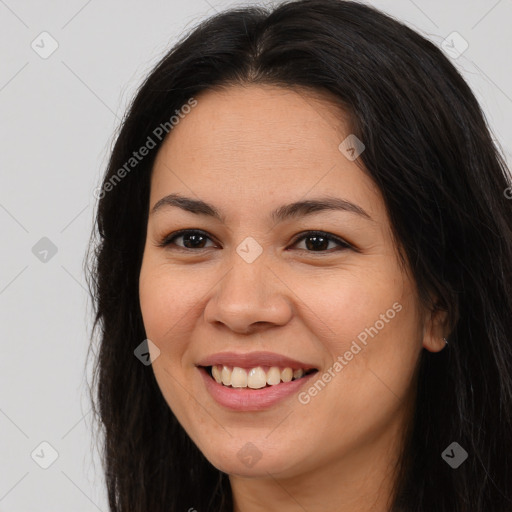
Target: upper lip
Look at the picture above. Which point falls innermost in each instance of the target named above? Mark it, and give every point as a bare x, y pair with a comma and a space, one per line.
253, 359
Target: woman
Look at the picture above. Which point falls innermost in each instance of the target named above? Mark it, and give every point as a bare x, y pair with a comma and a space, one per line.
303, 273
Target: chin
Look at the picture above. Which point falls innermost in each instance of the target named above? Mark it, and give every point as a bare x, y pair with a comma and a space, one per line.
250, 462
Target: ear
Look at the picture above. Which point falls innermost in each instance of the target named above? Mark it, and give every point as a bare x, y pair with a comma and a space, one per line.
435, 328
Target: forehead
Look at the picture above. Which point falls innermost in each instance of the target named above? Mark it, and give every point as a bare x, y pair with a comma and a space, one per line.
250, 143
261, 119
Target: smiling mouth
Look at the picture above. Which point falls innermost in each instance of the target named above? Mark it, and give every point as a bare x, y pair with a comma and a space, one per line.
255, 378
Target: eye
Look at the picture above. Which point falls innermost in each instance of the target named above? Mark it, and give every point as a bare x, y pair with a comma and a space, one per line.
316, 241
192, 239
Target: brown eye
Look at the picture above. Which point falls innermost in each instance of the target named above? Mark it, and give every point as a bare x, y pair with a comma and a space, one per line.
192, 239
318, 241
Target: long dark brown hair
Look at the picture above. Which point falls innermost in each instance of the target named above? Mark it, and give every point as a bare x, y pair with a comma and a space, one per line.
428, 149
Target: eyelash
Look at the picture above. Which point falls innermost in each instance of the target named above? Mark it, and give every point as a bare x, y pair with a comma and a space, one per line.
169, 239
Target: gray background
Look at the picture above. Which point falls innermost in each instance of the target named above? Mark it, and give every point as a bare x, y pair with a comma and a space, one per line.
58, 117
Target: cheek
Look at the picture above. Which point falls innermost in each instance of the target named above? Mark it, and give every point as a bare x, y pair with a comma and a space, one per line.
156, 304
349, 303
164, 312
166, 296
388, 330
375, 336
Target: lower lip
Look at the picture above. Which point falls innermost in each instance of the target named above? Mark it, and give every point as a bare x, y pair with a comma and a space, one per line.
246, 399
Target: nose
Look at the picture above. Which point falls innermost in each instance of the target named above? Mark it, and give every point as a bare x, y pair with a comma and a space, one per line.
250, 297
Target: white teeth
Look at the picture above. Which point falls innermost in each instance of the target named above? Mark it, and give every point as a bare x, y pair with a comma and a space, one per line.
256, 378
297, 374
226, 376
273, 376
287, 375
216, 374
239, 378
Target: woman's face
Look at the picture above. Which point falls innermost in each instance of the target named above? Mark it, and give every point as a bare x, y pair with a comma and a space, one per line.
253, 282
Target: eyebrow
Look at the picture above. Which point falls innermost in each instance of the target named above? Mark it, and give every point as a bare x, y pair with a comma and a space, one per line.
280, 214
